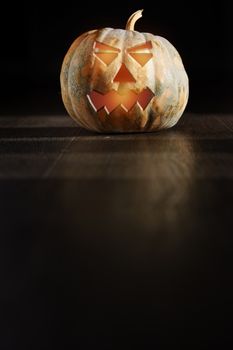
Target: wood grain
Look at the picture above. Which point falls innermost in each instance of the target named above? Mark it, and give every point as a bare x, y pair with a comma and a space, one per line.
116, 240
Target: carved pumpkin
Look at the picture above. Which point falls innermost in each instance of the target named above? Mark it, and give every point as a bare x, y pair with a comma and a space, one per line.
115, 80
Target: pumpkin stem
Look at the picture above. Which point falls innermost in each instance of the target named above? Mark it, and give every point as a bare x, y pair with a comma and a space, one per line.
132, 20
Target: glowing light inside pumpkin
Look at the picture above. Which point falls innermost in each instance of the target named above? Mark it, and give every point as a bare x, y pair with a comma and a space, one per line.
141, 58
127, 99
104, 47
112, 99
105, 53
124, 75
140, 53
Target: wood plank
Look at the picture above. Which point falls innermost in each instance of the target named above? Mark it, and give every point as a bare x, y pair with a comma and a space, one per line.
108, 237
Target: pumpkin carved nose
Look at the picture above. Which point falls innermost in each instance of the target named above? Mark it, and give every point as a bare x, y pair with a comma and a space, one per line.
124, 75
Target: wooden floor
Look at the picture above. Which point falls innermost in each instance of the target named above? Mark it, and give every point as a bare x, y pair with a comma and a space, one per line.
113, 241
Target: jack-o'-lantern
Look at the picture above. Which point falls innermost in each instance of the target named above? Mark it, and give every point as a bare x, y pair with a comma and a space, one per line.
115, 80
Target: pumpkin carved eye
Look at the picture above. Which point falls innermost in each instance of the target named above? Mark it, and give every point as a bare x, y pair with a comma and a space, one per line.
140, 53
141, 58
105, 53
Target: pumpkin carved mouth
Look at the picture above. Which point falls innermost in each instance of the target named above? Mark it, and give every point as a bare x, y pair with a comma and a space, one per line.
127, 99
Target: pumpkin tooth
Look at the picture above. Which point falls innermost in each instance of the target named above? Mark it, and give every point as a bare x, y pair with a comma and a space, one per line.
138, 104
145, 97
106, 110
96, 100
113, 99
125, 109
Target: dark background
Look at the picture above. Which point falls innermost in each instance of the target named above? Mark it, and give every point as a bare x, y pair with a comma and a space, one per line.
37, 34
109, 237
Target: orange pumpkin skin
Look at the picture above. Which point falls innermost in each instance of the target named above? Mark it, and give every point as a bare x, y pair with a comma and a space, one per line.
106, 73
